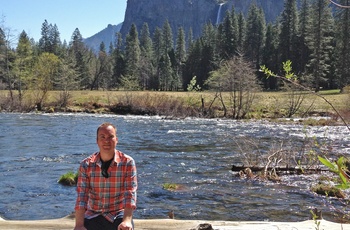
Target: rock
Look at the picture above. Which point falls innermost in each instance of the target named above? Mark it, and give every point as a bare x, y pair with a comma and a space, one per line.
189, 14
204, 226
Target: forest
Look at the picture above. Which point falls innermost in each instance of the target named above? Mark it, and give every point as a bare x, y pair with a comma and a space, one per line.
313, 37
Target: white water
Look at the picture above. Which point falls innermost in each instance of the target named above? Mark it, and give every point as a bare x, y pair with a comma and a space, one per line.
218, 17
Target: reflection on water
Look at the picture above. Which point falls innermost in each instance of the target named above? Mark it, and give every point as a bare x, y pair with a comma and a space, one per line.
196, 153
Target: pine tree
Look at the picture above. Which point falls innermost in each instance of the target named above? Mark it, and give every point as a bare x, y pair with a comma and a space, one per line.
193, 63
145, 38
228, 35
165, 73
23, 63
119, 65
157, 43
255, 34
80, 54
190, 39
102, 47
55, 40
146, 60
320, 43
180, 56
343, 44
208, 57
288, 34
157, 46
45, 40
169, 52
208, 36
110, 49
302, 49
241, 31
3, 52
132, 57
50, 39
7, 57
168, 43
102, 70
180, 52
270, 56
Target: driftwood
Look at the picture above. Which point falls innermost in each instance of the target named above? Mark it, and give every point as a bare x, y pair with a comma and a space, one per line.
286, 169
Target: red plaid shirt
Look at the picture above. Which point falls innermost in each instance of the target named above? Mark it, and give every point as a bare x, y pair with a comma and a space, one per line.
106, 196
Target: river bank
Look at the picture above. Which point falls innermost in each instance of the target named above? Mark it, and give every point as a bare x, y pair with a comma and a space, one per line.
177, 105
67, 223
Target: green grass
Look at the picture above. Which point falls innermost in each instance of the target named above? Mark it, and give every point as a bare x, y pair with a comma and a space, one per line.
170, 186
70, 178
263, 98
328, 190
266, 104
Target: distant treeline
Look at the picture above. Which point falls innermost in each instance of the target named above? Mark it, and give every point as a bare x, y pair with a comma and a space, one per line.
314, 38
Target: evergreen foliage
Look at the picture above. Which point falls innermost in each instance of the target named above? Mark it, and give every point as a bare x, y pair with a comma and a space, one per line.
320, 41
288, 32
342, 20
314, 37
255, 35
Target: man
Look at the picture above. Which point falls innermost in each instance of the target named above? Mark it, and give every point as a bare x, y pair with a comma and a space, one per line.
106, 187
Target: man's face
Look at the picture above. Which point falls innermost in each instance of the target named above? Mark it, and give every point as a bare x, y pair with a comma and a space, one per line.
107, 139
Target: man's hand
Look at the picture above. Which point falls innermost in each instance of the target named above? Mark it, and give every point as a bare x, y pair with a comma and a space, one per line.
127, 220
79, 219
125, 225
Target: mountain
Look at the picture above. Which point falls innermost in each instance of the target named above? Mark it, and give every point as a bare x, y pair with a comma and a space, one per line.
180, 13
106, 35
190, 13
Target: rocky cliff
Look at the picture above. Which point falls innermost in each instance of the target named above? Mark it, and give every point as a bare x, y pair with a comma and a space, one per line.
189, 13
106, 35
185, 13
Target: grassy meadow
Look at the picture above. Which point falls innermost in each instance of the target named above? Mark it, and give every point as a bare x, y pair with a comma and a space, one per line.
184, 104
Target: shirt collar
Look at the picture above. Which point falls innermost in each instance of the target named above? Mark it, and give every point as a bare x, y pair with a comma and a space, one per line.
96, 158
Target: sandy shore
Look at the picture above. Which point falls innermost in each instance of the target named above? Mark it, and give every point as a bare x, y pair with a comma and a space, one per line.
170, 224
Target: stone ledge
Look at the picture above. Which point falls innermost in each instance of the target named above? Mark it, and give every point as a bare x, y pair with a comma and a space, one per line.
171, 224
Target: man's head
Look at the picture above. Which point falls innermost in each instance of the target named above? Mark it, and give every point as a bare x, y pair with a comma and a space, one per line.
107, 138
106, 124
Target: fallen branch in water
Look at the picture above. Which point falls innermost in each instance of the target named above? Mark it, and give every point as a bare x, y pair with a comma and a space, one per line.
295, 170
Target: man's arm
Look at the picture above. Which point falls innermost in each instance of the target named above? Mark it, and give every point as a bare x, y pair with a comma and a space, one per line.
82, 197
79, 219
130, 196
127, 220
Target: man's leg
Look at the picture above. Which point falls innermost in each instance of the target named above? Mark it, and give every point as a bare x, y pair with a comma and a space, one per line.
119, 219
100, 223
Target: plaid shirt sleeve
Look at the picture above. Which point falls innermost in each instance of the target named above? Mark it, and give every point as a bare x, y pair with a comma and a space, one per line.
130, 185
82, 188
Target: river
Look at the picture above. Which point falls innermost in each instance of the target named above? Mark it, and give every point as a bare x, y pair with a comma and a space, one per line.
36, 149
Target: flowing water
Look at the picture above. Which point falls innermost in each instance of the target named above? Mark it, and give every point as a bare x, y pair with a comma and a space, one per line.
36, 149
218, 17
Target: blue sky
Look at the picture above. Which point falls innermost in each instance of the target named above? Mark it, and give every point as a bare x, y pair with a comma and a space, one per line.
89, 16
